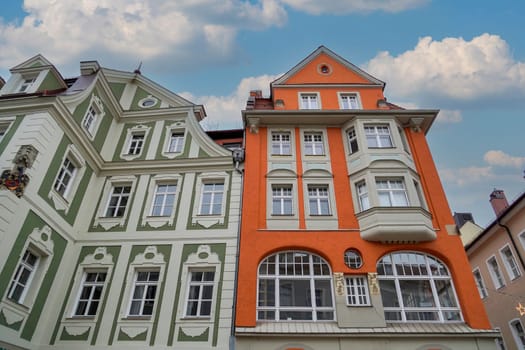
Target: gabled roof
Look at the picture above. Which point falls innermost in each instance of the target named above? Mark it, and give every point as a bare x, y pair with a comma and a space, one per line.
324, 50
35, 61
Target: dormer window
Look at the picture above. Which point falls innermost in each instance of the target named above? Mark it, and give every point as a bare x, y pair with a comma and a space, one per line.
90, 120
93, 117
26, 84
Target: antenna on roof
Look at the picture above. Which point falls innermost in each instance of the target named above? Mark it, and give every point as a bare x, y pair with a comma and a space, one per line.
137, 71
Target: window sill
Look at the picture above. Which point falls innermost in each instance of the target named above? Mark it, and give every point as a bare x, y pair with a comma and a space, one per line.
196, 318
138, 318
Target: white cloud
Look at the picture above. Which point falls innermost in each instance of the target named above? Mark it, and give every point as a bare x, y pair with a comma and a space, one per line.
134, 30
467, 175
453, 68
500, 158
339, 7
224, 112
447, 116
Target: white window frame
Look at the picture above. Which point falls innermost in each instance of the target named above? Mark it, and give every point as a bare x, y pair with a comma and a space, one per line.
216, 190
313, 100
5, 125
65, 177
175, 127
92, 285
281, 144
282, 198
510, 262
346, 104
263, 273
363, 197
93, 117
164, 196
357, 293
518, 335
15, 282
136, 144
377, 136
120, 196
27, 84
108, 222
62, 201
143, 298
316, 199
129, 144
495, 272
313, 143
439, 273
200, 299
178, 145
207, 220
480, 283
392, 191
351, 136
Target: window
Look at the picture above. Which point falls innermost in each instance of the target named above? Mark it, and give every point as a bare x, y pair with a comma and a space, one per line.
378, 136
295, 285
352, 140
282, 200
403, 139
313, 144
26, 84
90, 120
136, 143
200, 293
357, 291
144, 292
480, 284
3, 129
519, 333
318, 200
309, 101
118, 201
24, 274
281, 144
90, 293
65, 177
211, 199
353, 259
362, 194
416, 287
495, 273
349, 101
176, 142
163, 200
500, 344
391, 193
510, 263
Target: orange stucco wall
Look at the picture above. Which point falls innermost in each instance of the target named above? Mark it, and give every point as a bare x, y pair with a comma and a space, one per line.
256, 242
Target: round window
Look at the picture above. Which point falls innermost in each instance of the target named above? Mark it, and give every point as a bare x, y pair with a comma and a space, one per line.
148, 102
324, 69
353, 259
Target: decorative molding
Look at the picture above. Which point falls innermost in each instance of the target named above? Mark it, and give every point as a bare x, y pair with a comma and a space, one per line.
133, 332
339, 283
76, 330
194, 331
373, 283
16, 180
11, 317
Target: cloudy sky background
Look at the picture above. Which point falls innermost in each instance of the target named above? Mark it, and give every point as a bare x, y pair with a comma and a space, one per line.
465, 58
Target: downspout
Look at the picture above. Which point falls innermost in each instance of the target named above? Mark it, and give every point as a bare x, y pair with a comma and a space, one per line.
512, 241
234, 304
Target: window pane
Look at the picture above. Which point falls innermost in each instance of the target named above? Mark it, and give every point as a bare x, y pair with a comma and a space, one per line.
445, 293
295, 293
388, 293
416, 293
323, 293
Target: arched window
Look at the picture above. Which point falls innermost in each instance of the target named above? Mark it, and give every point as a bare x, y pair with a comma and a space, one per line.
295, 285
416, 287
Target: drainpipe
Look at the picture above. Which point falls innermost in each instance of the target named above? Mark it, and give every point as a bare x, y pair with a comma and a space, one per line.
238, 156
513, 242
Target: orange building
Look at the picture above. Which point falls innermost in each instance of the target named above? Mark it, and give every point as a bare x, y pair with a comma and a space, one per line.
347, 239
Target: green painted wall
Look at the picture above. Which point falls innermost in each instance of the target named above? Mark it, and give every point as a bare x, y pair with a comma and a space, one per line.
50, 177
33, 221
50, 82
9, 135
117, 89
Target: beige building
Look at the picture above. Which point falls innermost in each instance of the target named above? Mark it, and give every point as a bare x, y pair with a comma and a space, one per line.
496, 255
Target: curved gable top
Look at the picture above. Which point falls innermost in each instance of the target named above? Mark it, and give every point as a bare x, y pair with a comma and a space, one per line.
346, 70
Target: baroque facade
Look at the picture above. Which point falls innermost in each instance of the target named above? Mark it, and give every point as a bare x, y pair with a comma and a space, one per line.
118, 214
347, 240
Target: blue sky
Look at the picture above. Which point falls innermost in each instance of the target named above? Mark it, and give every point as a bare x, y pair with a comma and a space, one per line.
466, 58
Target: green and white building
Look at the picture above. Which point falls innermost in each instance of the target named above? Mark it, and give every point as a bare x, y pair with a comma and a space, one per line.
119, 215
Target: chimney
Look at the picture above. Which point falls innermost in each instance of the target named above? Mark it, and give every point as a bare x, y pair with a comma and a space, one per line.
498, 201
256, 93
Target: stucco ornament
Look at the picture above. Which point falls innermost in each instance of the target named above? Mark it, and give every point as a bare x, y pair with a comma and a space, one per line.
16, 180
